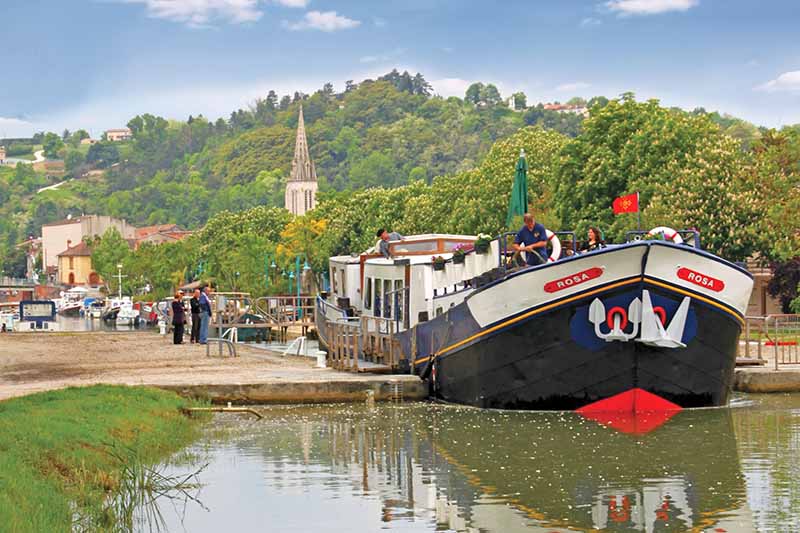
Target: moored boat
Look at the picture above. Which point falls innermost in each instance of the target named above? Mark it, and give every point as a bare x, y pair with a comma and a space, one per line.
648, 324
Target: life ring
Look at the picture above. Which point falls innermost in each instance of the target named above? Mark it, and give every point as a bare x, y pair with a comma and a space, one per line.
669, 233
556, 243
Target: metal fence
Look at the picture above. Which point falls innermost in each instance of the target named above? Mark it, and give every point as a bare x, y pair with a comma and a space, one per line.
784, 333
775, 337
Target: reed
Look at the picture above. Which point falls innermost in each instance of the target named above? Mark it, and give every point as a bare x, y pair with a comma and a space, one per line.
74, 459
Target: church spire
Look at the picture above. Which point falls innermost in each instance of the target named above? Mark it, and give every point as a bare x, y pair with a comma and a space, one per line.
302, 166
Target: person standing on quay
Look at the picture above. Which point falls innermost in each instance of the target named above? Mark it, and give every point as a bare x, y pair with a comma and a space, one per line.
195, 304
205, 315
178, 318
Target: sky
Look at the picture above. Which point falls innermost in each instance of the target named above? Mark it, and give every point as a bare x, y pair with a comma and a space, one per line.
94, 64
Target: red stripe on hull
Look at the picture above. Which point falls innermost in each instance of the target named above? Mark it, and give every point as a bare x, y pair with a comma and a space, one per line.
634, 411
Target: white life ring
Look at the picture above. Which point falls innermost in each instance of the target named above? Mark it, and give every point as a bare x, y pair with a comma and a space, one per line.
669, 233
556, 243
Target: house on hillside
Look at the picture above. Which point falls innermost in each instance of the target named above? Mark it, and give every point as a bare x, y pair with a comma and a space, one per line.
160, 234
58, 236
2, 154
119, 134
75, 267
89, 141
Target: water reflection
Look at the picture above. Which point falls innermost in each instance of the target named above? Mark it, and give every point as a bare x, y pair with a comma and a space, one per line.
79, 323
426, 467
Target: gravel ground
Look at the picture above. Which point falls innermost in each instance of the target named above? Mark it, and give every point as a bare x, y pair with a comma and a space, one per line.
32, 362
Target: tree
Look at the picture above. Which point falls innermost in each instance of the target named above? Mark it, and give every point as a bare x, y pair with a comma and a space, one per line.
784, 282
51, 144
108, 251
626, 146
474, 93
103, 154
713, 191
490, 96
73, 160
76, 138
285, 101
520, 101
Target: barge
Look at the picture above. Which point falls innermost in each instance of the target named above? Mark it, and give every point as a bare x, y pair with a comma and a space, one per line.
650, 324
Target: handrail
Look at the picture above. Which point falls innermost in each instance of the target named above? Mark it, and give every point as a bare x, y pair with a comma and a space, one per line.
231, 346
689, 233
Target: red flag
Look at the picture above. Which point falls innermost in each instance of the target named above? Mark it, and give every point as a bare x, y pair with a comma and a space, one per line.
627, 204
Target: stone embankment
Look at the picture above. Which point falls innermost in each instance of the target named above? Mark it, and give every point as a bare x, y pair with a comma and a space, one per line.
33, 362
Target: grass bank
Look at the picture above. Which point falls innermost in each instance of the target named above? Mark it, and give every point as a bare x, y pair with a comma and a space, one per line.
60, 451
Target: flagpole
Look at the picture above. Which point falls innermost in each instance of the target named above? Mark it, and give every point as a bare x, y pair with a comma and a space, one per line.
638, 213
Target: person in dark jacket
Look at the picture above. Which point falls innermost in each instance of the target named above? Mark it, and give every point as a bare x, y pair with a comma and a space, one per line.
195, 304
205, 315
178, 318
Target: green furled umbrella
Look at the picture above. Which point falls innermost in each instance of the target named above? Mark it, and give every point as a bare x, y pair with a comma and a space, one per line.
518, 205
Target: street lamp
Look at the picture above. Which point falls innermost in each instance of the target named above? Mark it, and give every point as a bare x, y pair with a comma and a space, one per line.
119, 280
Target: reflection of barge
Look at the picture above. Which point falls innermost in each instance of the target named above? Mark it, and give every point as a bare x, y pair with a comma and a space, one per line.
575, 476
655, 316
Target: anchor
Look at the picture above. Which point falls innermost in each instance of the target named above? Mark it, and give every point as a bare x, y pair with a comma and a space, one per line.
617, 320
653, 332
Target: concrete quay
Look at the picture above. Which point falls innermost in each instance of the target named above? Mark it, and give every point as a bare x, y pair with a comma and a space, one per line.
35, 362
760, 379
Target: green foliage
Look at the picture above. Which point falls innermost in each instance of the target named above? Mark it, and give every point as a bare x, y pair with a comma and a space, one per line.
56, 463
17, 149
103, 154
108, 251
52, 144
626, 146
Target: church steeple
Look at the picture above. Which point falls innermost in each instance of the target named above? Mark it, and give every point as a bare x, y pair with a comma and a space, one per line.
301, 188
302, 165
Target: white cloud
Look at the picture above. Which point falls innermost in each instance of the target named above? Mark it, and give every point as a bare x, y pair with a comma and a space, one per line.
788, 81
450, 86
590, 21
15, 127
201, 13
649, 7
292, 3
379, 22
574, 86
324, 21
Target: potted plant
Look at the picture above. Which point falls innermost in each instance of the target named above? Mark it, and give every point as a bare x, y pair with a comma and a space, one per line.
438, 262
459, 254
482, 243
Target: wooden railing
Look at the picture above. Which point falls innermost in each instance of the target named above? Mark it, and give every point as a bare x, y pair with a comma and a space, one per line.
344, 342
379, 340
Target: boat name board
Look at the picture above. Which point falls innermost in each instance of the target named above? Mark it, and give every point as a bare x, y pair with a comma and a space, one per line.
573, 279
702, 280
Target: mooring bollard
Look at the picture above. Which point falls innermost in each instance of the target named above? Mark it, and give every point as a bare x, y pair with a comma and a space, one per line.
370, 398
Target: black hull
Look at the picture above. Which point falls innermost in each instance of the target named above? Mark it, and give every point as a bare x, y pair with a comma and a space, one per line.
537, 364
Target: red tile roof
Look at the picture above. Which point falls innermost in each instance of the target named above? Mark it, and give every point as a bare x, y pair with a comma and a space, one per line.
79, 250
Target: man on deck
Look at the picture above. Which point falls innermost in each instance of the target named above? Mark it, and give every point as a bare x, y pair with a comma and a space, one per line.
383, 244
532, 239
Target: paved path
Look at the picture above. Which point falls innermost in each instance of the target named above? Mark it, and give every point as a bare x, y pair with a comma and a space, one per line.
33, 362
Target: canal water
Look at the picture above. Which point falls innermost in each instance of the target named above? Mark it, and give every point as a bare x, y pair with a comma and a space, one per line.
427, 467
79, 323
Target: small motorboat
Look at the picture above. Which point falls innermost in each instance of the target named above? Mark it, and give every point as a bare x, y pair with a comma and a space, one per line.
126, 315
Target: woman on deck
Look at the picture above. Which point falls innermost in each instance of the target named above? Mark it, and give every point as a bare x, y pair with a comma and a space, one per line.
178, 318
594, 242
